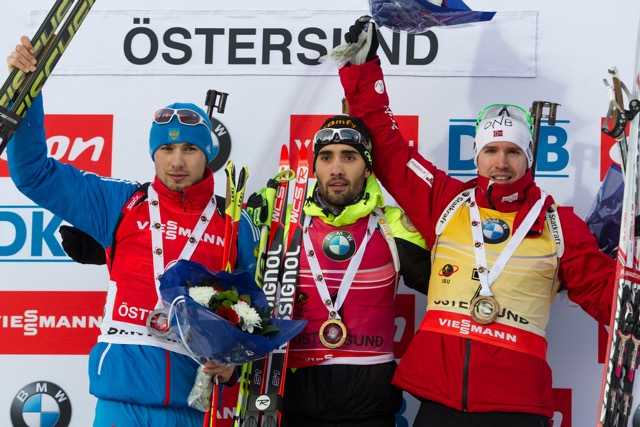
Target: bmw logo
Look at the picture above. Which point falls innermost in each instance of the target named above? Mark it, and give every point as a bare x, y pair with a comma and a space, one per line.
339, 245
495, 231
41, 404
221, 145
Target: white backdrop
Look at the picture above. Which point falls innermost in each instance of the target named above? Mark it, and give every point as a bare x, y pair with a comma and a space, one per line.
106, 88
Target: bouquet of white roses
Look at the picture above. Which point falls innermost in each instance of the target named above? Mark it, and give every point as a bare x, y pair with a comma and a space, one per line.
220, 316
231, 306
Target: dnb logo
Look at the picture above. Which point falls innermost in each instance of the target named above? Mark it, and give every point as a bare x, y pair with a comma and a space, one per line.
41, 404
302, 129
83, 140
552, 158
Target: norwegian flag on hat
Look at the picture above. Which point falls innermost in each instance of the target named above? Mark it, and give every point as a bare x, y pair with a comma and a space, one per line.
497, 133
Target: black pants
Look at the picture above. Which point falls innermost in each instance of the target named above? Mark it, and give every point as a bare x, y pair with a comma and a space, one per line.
341, 395
432, 414
302, 421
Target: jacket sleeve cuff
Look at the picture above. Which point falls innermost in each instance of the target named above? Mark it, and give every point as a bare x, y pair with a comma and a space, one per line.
234, 378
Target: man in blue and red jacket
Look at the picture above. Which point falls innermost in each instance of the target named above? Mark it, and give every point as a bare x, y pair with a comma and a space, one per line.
139, 377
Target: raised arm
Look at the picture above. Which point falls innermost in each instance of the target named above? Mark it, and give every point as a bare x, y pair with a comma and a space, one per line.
414, 182
89, 202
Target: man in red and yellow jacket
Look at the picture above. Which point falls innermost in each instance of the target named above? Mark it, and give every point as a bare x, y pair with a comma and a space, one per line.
500, 250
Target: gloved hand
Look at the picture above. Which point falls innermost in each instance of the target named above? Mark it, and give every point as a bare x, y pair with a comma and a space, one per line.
260, 204
81, 247
363, 33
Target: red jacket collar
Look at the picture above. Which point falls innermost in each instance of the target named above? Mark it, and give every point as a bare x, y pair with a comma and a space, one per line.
505, 197
519, 196
194, 197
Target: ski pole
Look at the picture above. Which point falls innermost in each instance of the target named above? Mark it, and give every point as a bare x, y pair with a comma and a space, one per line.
616, 119
537, 114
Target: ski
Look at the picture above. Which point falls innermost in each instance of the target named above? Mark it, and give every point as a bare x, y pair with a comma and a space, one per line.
229, 213
41, 38
19, 90
266, 202
233, 210
253, 375
618, 386
270, 400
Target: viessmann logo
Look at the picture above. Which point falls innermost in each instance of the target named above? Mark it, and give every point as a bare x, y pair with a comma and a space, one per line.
36, 322
83, 140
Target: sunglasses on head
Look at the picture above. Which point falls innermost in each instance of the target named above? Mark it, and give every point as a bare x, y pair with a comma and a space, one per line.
184, 115
345, 135
511, 110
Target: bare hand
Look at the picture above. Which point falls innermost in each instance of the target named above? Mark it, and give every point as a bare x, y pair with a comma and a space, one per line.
23, 57
224, 372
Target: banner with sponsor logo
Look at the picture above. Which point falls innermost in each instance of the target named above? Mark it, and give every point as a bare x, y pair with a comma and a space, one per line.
131, 58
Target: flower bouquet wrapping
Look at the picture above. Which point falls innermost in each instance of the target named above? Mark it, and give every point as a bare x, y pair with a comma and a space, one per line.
412, 16
240, 331
416, 16
606, 211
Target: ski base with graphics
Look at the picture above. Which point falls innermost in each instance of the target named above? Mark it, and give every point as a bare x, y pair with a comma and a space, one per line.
49, 43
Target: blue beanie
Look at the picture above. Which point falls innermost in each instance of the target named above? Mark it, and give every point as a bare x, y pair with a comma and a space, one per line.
175, 132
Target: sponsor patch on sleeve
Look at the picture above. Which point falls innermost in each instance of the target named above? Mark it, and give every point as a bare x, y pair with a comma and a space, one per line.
421, 171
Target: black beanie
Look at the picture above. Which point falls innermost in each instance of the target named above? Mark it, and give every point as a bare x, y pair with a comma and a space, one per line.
346, 122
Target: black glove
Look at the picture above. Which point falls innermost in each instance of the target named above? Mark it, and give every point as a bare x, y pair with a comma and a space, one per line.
81, 247
364, 32
260, 204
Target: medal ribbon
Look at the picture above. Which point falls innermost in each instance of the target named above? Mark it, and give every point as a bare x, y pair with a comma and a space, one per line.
157, 249
487, 278
349, 274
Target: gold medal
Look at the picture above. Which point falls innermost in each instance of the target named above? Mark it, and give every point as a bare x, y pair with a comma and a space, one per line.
484, 309
158, 324
333, 333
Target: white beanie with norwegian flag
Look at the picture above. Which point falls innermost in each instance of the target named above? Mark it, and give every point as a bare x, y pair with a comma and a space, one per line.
503, 129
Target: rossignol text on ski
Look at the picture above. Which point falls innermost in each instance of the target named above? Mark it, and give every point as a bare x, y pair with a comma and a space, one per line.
281, 271
270, 255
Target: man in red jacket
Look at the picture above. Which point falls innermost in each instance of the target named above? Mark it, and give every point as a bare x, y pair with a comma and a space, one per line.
501, 250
